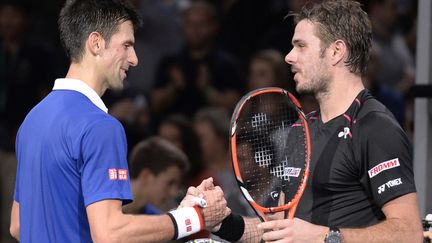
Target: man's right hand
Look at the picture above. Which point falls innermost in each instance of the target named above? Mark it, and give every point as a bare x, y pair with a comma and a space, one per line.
216, 209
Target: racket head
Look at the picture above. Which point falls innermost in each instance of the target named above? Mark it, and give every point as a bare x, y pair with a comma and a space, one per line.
270, 150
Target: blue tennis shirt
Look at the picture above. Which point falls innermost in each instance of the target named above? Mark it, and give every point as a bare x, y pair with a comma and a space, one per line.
71, 153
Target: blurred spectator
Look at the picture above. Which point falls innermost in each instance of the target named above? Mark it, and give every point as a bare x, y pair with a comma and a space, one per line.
8, 165
200, 74
156, 168
268, 68
213, 126
130, 107
243, 24
395, 59
26, 70
160, 36
179, 130
282, 27
392, 100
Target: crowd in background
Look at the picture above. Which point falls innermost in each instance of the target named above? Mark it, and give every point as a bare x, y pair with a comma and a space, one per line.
196, 59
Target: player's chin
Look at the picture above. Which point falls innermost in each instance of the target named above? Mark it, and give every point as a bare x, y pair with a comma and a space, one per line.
118, 85
299, 88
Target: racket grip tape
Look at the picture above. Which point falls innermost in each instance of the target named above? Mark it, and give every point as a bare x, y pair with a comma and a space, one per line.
232, 228
186, 221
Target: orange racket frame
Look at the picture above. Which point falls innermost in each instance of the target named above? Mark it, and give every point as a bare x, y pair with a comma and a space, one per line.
292, 205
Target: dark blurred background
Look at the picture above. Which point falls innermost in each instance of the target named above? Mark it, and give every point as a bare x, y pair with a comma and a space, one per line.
196, 59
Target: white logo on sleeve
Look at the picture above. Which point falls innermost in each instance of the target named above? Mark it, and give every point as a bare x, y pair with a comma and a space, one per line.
389, 184
112, 174
383, 166
117, 174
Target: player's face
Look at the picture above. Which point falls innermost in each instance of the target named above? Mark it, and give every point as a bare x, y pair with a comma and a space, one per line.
119, 56
164, 186
308, 60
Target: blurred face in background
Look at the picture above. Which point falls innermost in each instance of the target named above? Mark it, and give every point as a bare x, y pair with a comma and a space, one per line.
171, 133
163, 186
211, 144
386, 12
199, 27
261, 74
12, 22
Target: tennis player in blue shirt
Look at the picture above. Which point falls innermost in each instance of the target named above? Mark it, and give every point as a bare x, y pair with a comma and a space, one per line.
72, 177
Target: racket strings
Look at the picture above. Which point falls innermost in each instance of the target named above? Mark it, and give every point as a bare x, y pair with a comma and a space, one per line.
271, 148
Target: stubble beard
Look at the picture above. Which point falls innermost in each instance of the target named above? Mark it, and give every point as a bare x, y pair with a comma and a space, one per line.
315, 86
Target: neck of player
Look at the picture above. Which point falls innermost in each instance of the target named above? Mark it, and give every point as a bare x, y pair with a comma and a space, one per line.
342, 91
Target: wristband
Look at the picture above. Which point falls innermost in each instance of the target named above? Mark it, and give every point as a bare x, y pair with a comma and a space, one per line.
186, 221
232, 228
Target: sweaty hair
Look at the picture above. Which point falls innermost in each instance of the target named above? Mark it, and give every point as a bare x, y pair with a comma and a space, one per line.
341, 20
79, 18
156, 154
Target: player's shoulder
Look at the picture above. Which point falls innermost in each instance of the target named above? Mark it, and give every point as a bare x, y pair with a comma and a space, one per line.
375, 121
372, 111
371, 105
102, 120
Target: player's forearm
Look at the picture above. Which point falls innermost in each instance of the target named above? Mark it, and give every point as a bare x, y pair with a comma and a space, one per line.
15, 221
390, 230
138, 228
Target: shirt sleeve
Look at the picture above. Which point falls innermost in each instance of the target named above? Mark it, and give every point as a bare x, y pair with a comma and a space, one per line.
105, 173
386, 155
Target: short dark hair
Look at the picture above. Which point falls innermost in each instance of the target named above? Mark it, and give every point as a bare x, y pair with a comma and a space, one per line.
345, 20
156, 154
78, 18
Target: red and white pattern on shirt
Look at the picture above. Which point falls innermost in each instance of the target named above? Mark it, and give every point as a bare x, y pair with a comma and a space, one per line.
117, 174
383, 166
112, 174
122, 174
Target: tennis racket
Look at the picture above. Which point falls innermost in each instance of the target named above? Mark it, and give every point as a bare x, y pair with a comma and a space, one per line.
270, 150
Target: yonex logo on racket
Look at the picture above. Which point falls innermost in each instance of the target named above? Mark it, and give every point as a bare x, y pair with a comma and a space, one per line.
274, 195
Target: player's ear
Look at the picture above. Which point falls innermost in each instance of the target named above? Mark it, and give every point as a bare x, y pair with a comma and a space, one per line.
95, 43
145, 175
338, 51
